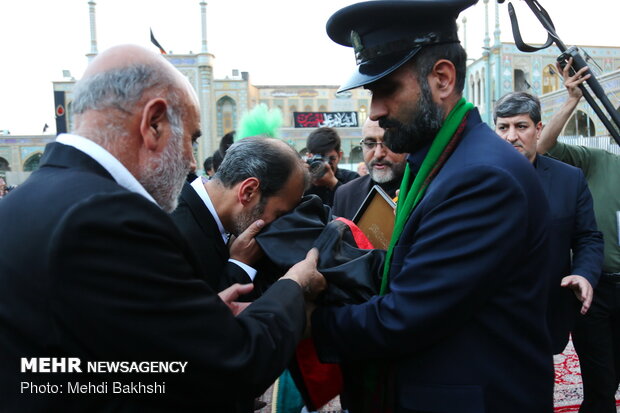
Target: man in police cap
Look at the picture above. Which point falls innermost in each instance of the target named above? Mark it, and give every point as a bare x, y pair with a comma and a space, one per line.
459, 325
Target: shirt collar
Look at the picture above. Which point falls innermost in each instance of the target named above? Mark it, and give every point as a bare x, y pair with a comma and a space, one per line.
121, 175
200, 189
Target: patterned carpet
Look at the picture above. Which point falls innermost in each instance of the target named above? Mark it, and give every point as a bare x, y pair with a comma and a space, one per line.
568, 392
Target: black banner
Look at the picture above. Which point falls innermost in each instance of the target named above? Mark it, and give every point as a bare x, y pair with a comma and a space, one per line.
61, 112
331, 119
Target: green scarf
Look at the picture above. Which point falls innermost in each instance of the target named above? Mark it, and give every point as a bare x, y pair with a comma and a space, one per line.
411, 194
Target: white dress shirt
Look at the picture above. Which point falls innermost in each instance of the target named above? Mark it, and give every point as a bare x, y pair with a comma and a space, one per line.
118, 171
199, 187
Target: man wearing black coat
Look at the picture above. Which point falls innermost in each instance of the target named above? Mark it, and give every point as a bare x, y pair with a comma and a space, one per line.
577, 245
211, 211
93, 268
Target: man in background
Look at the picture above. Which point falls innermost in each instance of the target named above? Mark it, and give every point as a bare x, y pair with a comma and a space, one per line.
577, 246
208, 167
325, 142
597, 333
385, 168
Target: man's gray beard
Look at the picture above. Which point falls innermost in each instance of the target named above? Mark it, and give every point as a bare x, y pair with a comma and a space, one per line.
244, 220
392, 172
165, 175
422, 128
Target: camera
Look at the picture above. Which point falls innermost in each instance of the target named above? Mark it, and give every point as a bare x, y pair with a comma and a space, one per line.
318, 166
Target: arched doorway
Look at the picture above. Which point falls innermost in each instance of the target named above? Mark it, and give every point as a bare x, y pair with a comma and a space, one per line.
226, 115
580, 124
32, 163
4, 165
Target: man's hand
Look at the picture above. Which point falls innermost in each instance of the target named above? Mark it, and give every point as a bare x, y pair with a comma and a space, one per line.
245, 248
328, 179
582, 289
550, 133
233, 292
572, 82
305, 274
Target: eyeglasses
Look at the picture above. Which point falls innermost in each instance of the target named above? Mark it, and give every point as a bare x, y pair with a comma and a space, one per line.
370, 144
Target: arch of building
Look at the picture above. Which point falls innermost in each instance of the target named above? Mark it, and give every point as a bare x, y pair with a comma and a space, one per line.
226, 115
4, 165
32, 162
579, 124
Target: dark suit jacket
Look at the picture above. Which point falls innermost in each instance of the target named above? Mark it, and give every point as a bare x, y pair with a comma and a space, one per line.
464, 324
349, 197
196, 223
573, 229
91, 270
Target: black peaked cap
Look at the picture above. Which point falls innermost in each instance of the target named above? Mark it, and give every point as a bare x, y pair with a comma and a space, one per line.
385, 34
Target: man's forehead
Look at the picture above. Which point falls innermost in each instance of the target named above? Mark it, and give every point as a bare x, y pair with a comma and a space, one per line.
373, 130
522, 117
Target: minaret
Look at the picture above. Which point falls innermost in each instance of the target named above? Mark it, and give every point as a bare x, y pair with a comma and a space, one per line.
487, 39
487, 73
204, 89
464, 32
93, 31
497, 32
497, 57
203, 11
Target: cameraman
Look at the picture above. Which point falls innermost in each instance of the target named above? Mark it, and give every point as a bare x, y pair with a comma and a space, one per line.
325, 143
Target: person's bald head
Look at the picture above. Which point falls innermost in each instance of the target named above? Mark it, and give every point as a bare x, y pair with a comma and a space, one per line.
142, 110
122, 76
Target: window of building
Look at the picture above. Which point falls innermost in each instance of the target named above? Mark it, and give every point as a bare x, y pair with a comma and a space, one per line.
4, 164
580, 124
226, 115
290, 121
520, 79
32, 163
551, 79
356, 155
363, 114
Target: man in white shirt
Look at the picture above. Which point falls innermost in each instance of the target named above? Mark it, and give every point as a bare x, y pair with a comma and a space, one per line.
259, 180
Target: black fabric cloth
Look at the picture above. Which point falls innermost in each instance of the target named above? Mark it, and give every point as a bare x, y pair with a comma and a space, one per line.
91, 270
350, 196
353, 274
327, 195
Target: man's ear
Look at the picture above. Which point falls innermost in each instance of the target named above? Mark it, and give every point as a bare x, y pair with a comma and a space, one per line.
539, 128
249, 191
153, 124
442, 80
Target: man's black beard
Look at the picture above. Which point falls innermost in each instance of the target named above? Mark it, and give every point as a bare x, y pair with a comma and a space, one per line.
426, 121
